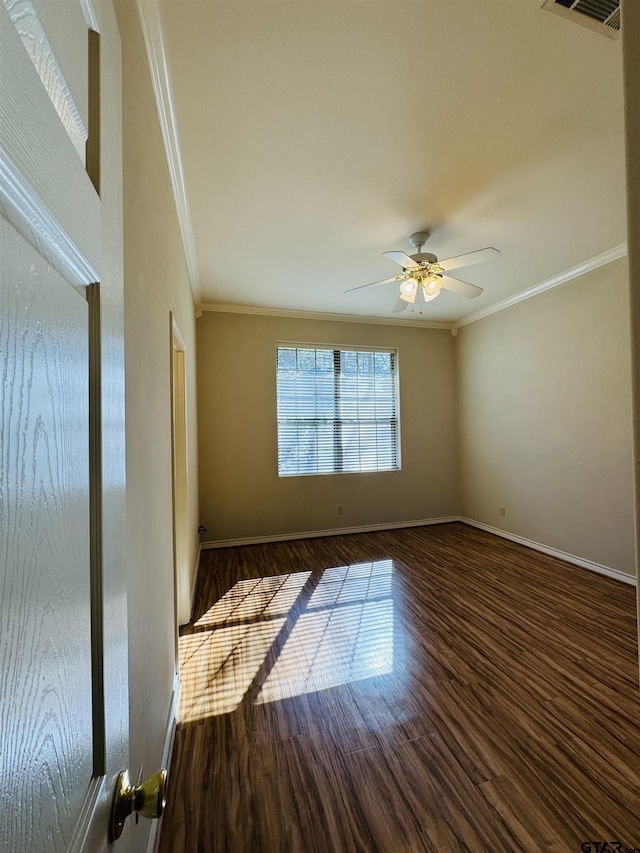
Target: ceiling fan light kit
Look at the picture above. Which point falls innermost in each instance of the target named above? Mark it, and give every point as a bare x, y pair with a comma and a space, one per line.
423, 276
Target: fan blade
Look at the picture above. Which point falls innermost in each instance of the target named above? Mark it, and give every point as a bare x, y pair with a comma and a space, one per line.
461, 287
401, 305
404, 260
477, 257
372, 284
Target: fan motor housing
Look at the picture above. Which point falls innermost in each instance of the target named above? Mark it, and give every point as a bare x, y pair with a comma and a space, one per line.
423, 257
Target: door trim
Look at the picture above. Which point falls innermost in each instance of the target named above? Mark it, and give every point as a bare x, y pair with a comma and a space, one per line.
179, 479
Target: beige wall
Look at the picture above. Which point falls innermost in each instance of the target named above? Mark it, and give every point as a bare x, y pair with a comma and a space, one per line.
241, 494
156, 283
544, 395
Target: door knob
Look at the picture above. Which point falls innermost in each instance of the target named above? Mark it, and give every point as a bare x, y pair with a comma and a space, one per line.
147, 799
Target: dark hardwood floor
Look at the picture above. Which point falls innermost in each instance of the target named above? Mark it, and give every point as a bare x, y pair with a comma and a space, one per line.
431, 688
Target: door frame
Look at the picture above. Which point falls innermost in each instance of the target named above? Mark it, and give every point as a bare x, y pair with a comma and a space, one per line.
179, 479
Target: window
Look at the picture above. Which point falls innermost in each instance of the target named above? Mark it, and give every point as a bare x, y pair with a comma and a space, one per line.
337, 410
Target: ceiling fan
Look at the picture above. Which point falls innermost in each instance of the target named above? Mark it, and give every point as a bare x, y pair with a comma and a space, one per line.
423, 275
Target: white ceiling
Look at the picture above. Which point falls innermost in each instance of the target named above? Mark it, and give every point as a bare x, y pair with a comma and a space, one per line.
316, 135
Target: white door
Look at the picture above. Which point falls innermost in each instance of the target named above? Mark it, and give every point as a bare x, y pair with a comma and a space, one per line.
63, 641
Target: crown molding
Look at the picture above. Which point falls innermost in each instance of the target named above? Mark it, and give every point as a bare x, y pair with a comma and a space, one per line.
563, 277
229, 308
149, 12
90, 16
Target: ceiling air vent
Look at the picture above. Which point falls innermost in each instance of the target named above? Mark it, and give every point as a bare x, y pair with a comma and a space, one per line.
603, 16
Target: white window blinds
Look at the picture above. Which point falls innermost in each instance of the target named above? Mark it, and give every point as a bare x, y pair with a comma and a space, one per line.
337, 410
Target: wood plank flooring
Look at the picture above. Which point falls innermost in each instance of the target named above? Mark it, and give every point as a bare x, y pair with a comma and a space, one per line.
427, 689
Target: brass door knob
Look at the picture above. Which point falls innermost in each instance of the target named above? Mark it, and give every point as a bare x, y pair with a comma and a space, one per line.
147, 799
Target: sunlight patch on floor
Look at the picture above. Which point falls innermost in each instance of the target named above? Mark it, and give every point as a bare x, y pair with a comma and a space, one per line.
331, 647
264, 597
343, 634
360, 582
217, 667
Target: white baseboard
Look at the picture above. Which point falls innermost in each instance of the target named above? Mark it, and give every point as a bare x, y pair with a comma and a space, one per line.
156, 826
371, 528
552, 552
338, 531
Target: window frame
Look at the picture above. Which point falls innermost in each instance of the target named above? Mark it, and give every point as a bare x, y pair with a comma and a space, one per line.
342, 348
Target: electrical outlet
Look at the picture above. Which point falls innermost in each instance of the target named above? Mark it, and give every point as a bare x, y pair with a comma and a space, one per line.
503, 511
340, 510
